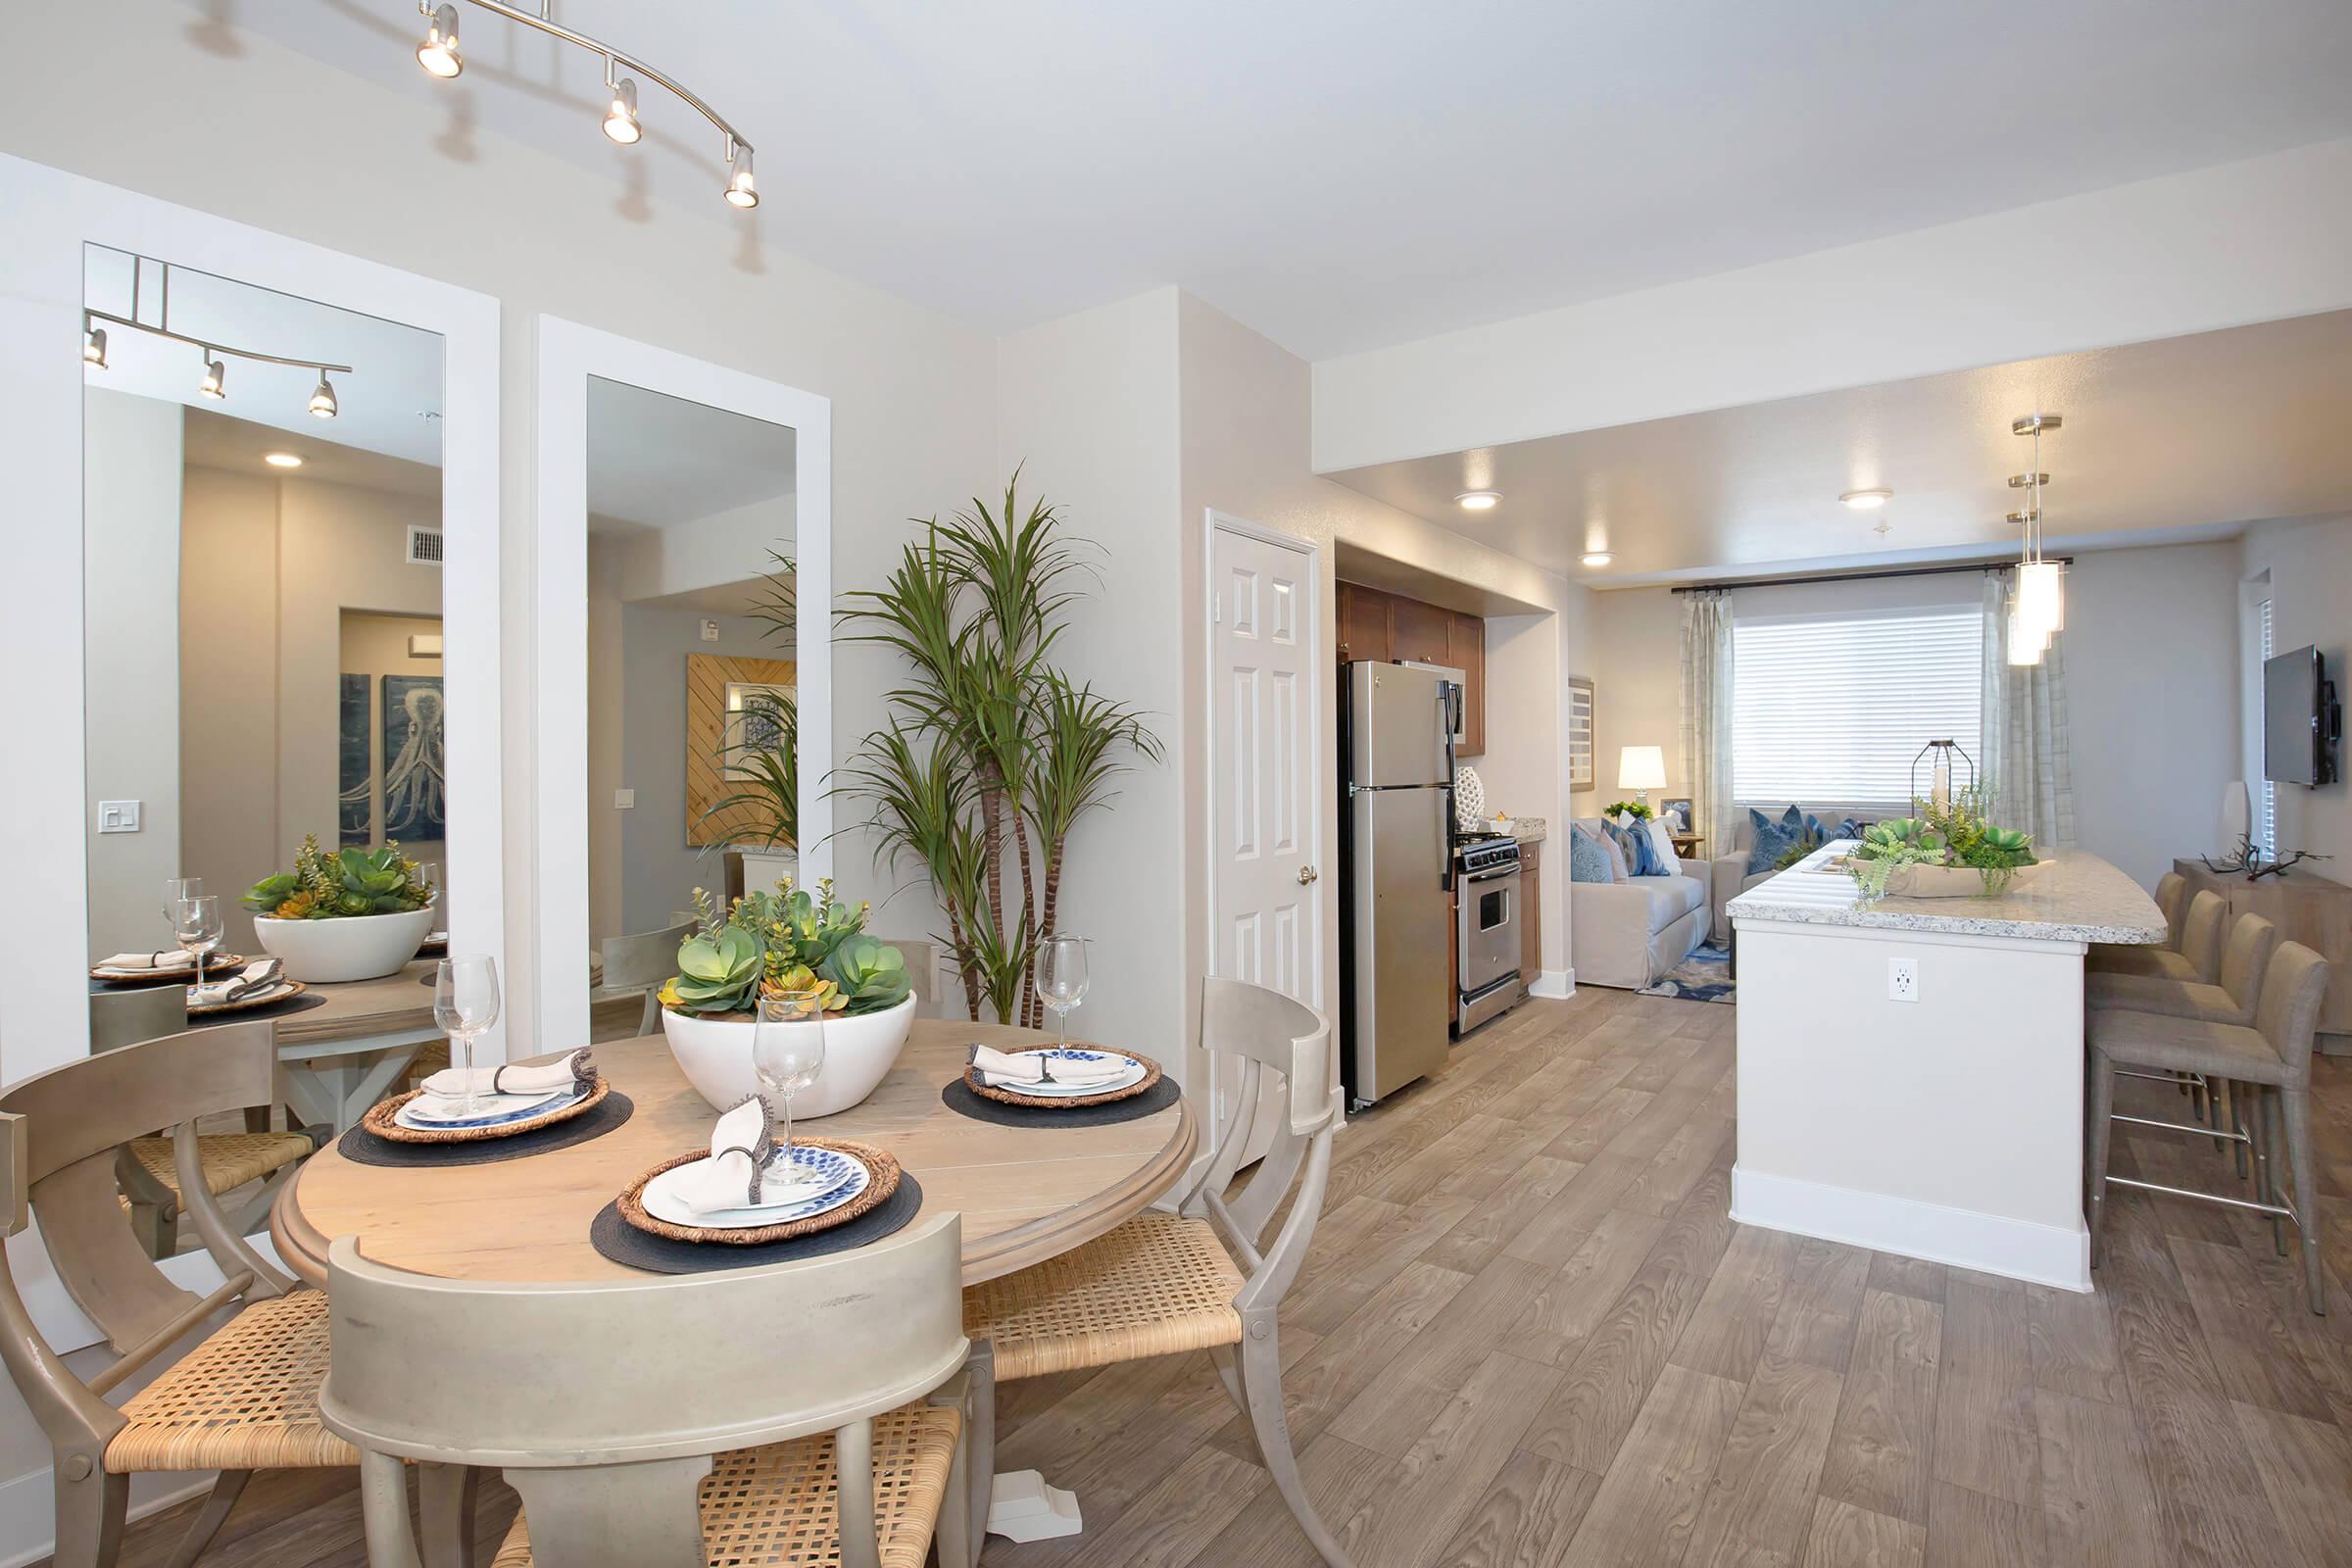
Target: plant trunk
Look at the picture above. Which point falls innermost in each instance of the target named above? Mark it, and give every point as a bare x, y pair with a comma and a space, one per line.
1032, 1010
967, 969
1047, 913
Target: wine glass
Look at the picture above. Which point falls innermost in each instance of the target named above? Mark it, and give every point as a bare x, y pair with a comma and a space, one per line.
429, 873
196, 922
176, 888
788, 1052
465, 1004
1061, 979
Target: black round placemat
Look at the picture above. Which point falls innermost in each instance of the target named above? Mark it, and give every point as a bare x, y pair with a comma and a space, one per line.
363, 1148
959, 1098
275, 1009
624, 1242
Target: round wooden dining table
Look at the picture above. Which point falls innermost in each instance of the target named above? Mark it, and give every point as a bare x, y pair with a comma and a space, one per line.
1026, 1193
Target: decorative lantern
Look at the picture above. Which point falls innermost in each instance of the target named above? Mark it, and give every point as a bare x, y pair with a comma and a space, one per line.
1939, 773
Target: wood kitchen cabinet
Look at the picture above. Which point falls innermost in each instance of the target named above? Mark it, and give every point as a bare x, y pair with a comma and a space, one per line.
1377, 624
1531, 914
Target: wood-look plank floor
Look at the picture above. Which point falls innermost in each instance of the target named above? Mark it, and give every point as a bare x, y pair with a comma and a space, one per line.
1528, 1334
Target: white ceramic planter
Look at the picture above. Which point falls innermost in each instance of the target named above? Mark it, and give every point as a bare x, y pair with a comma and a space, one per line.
1951, 881
359, 947
715, 1054
763, 868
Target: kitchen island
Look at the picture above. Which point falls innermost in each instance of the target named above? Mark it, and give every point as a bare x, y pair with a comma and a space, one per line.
1910, 1070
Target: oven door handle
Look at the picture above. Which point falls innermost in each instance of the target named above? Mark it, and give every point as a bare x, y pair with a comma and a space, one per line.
1490, 876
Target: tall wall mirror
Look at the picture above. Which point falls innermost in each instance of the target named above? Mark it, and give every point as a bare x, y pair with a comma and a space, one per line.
684, 670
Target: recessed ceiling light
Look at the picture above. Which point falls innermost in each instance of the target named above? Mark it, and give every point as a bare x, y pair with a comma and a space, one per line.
281, 459
1867, 500
1598, 558
1479, 500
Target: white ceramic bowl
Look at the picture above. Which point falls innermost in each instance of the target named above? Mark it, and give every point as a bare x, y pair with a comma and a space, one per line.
715, 1055
358, 946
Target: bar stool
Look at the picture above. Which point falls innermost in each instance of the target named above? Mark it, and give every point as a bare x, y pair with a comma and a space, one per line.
2109, 957
2271, 1058
2245, 959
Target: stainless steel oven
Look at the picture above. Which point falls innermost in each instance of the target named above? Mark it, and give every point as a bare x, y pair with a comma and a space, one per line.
1487, 931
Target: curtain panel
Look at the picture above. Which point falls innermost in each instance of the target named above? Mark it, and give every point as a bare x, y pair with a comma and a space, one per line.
1707, 718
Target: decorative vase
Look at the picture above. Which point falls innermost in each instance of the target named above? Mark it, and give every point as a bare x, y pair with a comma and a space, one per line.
351, 946
2237, 819
715, 1055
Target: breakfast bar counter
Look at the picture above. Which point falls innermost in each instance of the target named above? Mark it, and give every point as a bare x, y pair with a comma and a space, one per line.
1910, 1070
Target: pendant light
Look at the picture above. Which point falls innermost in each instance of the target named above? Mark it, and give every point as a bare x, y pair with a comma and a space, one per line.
441, 57
216, 378
93, 344
323, 399
2039, 600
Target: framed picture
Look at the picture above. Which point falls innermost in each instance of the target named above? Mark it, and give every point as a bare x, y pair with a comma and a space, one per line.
1676, 814
755, 722
1580, 732
415, 750
721, 699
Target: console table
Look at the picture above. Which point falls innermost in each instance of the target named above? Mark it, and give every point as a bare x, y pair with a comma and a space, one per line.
2306, 909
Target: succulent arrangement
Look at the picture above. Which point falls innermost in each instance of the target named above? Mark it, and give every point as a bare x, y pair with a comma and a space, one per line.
1958, 834
342, 885
1628, 808
787, 943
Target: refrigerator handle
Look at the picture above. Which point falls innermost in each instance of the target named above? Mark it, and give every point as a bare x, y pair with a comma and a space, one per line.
1448, 694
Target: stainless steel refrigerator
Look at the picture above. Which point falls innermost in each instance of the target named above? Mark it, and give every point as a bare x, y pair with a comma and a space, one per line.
1397, 726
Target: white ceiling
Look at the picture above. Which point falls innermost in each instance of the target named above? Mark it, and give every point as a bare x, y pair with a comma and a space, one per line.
655, 461
216, 441
2179, 438
1343, 176
390, 402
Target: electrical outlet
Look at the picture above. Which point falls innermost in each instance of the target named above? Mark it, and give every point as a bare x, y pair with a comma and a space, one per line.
118, 817
623, 799
1902, 979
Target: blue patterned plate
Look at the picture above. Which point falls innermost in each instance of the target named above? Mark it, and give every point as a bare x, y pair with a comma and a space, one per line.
1133, 1073
663, 1200
497, 1110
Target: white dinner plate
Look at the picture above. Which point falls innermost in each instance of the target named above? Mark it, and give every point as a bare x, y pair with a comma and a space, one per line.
488, 1109
662, 1199
1135, 1072
275, 991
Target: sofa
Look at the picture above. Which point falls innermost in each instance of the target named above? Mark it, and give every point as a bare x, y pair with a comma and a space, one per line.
1630, 934
1729, 876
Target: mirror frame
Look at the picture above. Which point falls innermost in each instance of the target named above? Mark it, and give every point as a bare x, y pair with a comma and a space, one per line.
568, 355
45, 1008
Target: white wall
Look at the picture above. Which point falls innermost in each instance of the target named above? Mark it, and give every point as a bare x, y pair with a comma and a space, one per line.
2154, 717
2217, 247
229, 685
2309, 562
131, 521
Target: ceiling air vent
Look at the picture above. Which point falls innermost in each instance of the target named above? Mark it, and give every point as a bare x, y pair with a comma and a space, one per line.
425, 546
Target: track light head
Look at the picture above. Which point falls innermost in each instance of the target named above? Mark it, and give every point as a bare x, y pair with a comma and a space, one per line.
93, 346
439, 54
215, 384
743, 189
621, 115
323, 399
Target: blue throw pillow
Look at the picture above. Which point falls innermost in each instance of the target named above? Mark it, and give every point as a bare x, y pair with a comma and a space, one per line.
1768, 840
1640, 856
1588, 860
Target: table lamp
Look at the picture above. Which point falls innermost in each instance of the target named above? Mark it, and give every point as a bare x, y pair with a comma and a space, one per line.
1641, 768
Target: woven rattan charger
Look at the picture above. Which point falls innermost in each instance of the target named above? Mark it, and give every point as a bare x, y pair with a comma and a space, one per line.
378, 1120
183, 972
285, 990
1013, 1097
881, 1166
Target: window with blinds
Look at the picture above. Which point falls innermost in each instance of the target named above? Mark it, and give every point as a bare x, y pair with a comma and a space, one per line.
2265, 795
1832, 710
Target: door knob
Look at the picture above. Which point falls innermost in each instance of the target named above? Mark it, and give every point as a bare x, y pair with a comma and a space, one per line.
1306, 874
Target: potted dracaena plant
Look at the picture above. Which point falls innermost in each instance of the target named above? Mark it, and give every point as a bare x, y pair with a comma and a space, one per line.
354, 914
990, 751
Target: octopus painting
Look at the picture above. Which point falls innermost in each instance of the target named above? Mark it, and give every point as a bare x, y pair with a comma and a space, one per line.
415, 785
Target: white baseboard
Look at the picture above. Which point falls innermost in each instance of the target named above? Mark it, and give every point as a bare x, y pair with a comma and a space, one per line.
1554, 985
2019, 1250
28, 1523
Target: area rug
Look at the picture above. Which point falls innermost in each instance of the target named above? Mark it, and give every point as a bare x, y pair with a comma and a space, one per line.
1704, 976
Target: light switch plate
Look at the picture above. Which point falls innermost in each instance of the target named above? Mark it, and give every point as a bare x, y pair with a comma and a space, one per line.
118, 817
709, 631
622, 799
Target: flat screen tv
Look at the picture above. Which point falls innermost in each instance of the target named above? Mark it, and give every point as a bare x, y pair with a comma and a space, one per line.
2300, 719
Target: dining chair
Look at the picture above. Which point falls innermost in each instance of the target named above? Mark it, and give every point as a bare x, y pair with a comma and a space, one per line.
644, 961
127, 1014
1162, 1284
245, 1398
2271, 1058
806, 1412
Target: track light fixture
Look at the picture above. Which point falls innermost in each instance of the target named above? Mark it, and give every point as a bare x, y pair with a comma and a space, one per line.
214, 381
440, 56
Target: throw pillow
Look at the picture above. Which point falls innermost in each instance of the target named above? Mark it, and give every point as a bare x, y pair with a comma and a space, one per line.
1588, 860
1661, 845
1634, 843
1769, 840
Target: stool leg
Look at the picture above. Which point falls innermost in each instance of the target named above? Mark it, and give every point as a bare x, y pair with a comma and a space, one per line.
2297, 1114
2102, 1131
2235, 1121
2274, 1148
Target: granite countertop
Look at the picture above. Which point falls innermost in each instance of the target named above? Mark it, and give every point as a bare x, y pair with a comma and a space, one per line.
1528, 829
2075, 898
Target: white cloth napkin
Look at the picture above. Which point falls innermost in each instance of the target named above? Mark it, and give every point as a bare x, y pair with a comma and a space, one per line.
454, 1083
259, 975
134, 963
1000, 1069
736, 1175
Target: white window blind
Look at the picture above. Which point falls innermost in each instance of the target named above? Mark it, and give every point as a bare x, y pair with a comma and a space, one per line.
2266, 797
1832, 710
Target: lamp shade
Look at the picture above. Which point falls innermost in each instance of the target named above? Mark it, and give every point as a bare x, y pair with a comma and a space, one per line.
1642, 767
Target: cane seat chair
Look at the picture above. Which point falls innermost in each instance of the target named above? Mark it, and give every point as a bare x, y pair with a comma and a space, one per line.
642, 962
808, 1412
1164, 1283
243, 1399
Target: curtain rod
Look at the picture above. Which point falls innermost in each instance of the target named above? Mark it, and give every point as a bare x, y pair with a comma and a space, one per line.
1855, 576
